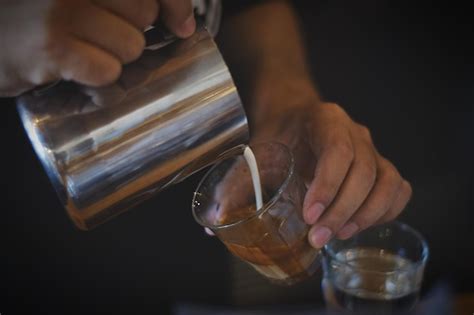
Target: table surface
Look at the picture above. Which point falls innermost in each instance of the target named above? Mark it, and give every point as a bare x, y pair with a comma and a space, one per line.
464, 304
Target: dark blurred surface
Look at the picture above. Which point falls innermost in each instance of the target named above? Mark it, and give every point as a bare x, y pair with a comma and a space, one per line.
404, 71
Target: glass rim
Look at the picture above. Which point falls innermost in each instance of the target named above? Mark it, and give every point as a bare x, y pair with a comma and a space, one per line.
412, 266
267, 205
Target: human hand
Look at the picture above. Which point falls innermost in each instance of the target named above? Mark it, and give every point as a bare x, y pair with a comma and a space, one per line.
350, 185
85, 41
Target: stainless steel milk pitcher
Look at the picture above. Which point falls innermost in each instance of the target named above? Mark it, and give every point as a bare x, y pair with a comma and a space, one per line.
172, 112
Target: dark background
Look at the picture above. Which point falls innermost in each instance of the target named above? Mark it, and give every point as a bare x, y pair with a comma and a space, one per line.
405, 71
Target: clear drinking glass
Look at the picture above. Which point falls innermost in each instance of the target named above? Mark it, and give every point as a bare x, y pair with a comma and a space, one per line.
272, 239
379, 270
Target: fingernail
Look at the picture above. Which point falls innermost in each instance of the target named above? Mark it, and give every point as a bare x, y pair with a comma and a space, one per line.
348, 230
320, 237
314, 212
188, 27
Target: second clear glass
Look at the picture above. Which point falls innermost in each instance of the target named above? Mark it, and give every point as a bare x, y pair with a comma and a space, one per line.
379, 270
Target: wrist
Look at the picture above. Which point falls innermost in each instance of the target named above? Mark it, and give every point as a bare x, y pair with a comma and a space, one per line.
278, 95
280, 107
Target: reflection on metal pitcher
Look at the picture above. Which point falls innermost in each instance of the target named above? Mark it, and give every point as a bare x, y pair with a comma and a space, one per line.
105, 149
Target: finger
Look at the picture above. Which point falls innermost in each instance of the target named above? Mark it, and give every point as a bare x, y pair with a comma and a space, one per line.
404, 195
178, 16
379, 201
87, 64
354, 190
332, 146
109, 32
331, 168
140, 13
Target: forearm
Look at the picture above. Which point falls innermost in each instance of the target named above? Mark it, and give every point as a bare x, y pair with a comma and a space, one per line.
350, 185
266, 55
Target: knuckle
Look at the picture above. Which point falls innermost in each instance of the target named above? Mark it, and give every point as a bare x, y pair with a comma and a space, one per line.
368, 171
389, 174
391, 178
335, 108
365, 132
344, 149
